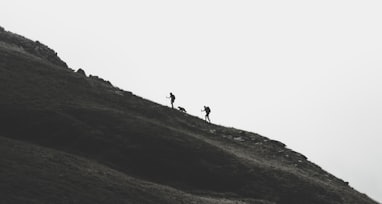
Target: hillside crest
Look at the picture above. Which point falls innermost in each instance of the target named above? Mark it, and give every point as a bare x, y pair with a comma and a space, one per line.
36, 48
73, 138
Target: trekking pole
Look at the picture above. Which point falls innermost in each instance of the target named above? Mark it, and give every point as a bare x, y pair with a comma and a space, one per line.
201, 111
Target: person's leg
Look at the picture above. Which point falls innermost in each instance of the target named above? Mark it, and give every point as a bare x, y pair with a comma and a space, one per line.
207, 118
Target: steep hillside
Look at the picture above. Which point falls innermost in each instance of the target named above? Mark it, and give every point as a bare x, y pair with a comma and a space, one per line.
69, 138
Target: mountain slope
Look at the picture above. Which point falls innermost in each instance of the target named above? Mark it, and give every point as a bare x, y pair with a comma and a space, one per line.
154, 154
34, 174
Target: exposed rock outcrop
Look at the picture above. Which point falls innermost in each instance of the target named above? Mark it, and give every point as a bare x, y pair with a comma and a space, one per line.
99, 79
81, 71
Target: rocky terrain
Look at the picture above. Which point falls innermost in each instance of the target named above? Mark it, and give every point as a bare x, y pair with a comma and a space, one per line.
71, 138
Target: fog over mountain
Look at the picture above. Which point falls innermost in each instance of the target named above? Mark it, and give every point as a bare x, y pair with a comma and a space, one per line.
302, 72
71, 137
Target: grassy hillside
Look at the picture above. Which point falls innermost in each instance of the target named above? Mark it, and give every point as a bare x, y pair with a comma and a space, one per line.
34, 174
69, 138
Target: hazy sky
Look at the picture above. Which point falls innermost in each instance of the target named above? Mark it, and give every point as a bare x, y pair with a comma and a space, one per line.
307, 73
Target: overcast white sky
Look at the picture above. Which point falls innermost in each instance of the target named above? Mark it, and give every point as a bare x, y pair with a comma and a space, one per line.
307, 73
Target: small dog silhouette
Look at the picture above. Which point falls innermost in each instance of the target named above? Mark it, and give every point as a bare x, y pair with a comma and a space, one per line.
182, 109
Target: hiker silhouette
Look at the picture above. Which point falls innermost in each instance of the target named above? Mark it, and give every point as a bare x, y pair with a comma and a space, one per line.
172, 98
207, 116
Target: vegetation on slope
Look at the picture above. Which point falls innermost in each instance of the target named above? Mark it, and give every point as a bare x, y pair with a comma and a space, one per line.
49, 107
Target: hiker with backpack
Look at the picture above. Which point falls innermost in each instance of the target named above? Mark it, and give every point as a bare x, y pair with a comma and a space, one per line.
207, 116
172, 99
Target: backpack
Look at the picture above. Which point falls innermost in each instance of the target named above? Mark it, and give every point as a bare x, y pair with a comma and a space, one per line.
208, 110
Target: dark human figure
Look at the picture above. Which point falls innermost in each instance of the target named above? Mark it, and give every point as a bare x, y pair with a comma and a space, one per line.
172, 98
182, 109
207, 116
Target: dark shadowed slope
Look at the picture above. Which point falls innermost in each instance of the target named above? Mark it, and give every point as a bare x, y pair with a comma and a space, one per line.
34, 174
110, 144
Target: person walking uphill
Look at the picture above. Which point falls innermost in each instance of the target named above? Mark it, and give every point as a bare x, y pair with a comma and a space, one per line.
172, 98
207, 116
